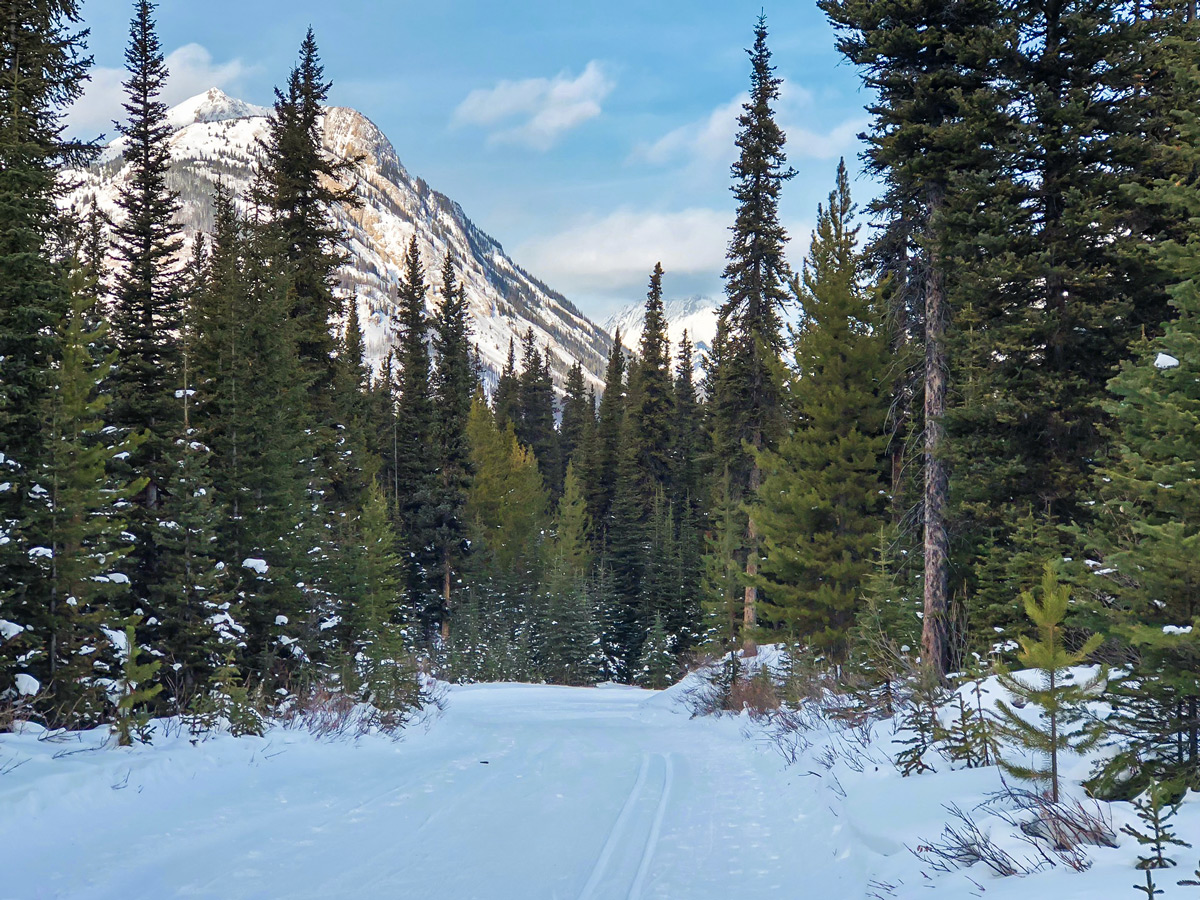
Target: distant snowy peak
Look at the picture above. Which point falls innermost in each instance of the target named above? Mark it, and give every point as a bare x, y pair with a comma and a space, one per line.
695, 315
214, 105
218, 138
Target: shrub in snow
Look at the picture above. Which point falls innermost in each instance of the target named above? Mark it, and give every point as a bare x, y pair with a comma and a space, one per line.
226, 704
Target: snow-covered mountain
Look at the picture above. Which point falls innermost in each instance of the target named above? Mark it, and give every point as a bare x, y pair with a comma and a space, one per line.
217, 137
695, 315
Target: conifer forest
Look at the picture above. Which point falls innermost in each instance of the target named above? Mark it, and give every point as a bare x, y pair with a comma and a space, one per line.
937, 474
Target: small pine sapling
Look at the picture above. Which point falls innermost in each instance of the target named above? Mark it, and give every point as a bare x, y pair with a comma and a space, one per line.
133, 719
1057, 697
1156, 807
968, 739
1150, 889
919, 722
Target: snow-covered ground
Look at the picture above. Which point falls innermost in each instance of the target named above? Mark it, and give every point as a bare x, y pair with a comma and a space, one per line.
516, 791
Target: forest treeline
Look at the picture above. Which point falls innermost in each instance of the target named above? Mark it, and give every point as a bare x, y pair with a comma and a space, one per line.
209, 502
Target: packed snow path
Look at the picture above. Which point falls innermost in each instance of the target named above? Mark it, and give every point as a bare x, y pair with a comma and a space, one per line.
517, 791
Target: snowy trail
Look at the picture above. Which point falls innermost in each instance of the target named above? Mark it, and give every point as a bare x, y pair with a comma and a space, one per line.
518, 791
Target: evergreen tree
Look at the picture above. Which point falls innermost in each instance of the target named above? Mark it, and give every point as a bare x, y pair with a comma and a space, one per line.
747, 389
43, 69
80, 519
1057, 698
535, 420
570, 644
416, 459
652, 398
823, 499
506, 399
135, 688
147, 314
452, 391
298, 184
601, 477
384, 670
657, 665
933, 69
687, 489
578, 417
249, 414
1149, 527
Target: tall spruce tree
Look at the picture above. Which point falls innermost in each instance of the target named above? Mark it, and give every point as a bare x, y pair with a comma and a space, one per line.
823, 499
416, 460
577, 419
535, 419
652, 397
80, 518
147, 314
932, 67
299, 183
43, 68
747, 385
506, 399
601, 476
453, 388
1148, 528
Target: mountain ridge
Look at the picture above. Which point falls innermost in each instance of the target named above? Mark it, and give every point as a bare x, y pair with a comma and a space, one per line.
217, 137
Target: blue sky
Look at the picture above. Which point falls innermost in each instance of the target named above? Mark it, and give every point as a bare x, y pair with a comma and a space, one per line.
590, 138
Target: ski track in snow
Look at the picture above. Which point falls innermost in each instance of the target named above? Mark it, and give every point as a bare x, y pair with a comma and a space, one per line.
517, 791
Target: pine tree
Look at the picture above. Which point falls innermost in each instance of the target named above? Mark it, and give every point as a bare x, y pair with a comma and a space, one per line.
570, 645
601, 477
507, 507
823, 500
578, 418
147, 314
249, 410
933, 69
416, 458
44, 72
747, 389
79, 522
535, 418
1148, 529
452, 391
380, 641
1057, 698
1156, 807
506, 400
135, 689
656, 667
652, 401
299, 183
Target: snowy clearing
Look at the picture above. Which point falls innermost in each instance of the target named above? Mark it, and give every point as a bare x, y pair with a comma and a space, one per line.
516, 791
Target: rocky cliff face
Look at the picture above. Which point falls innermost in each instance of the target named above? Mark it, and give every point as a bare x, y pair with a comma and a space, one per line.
217, 137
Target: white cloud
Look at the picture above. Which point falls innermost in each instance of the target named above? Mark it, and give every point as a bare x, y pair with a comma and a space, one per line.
839, 141
543, 109
192, 71
707, 140
710, 141
617, 251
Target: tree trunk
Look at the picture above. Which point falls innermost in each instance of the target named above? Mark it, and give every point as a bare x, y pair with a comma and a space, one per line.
933, 628
446, 596
750, 603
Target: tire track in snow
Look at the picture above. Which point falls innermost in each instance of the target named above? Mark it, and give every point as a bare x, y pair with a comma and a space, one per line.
635, 892
616, 832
